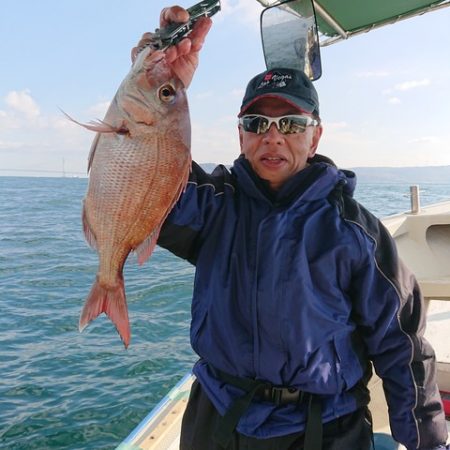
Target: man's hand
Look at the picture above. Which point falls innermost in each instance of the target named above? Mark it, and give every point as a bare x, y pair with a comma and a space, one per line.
184, 56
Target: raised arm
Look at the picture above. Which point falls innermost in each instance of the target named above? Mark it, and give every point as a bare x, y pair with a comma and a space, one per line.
184, 56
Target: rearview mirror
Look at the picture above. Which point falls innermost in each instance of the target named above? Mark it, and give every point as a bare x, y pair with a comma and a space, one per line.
289, 37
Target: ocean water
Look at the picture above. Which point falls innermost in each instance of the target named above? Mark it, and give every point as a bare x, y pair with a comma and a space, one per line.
60, 389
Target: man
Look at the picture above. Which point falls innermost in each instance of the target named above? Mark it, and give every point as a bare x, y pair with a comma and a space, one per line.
298, 288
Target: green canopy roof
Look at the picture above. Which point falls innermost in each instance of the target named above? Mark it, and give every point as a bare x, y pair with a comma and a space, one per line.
341, 19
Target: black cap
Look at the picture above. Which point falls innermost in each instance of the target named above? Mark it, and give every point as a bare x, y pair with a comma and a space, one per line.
291, 85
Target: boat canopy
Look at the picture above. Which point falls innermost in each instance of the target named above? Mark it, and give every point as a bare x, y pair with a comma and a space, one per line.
341, 19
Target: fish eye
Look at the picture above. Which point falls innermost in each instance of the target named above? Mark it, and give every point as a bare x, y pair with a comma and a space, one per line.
167, 93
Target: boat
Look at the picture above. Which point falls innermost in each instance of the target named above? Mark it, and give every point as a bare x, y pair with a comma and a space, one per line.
422, 235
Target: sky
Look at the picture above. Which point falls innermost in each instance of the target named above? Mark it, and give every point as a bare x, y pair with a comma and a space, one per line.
384, 95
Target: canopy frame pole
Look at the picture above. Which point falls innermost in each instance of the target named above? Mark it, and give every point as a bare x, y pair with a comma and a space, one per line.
329, 20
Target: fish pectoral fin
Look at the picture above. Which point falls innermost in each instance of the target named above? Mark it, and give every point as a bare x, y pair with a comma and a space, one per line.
92, 151
87, 229
111, 301
145, 249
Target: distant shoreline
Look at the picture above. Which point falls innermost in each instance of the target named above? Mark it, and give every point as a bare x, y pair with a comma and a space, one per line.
390, 175
413, 175
385, 175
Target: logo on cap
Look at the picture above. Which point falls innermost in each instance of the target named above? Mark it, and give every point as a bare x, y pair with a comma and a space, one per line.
274, 80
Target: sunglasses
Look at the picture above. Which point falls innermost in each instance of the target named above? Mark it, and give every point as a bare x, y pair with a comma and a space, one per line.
259, 124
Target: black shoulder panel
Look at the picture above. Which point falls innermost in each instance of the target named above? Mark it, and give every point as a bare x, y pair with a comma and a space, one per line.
352, 211
219, 177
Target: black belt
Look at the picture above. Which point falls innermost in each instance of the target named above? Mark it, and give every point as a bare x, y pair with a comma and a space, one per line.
279, 395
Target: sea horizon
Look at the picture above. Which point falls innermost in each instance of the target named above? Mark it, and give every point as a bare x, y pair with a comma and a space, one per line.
383, 174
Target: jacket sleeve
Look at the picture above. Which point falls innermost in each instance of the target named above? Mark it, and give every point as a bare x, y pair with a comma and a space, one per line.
197, 207
390, 314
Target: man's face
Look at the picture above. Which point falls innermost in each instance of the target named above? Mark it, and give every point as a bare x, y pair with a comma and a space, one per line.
276, 157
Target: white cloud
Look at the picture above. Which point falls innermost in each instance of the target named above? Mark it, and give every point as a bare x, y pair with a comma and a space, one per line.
62, 123
394, 101
10, 145
40, 139
203, 95
407, 85
8, 121
338, 135
23, 102
215, 142
426, 140
335, 126
373, 74
98, 110
246, 11
238, 93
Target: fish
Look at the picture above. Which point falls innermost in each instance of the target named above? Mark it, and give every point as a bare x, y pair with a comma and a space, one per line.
139, 164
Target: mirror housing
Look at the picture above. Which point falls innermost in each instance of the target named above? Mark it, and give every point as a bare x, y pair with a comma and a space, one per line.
289, 37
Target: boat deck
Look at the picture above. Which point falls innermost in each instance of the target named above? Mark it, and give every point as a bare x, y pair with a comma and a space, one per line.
160, 430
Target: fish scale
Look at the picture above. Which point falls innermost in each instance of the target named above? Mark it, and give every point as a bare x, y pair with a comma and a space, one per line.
139, 166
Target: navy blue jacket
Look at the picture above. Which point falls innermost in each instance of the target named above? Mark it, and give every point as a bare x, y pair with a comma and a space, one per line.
302, 288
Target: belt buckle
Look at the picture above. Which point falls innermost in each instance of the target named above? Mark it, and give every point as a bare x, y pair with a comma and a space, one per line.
284, 395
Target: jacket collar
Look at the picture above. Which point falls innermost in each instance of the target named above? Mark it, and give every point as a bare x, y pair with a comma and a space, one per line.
312, 183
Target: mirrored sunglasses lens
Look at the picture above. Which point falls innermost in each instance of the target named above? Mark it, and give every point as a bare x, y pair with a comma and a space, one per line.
263, 125
296, 124
255, 124
284, 125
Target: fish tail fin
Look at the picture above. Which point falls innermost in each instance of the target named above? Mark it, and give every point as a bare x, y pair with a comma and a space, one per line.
113, 303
